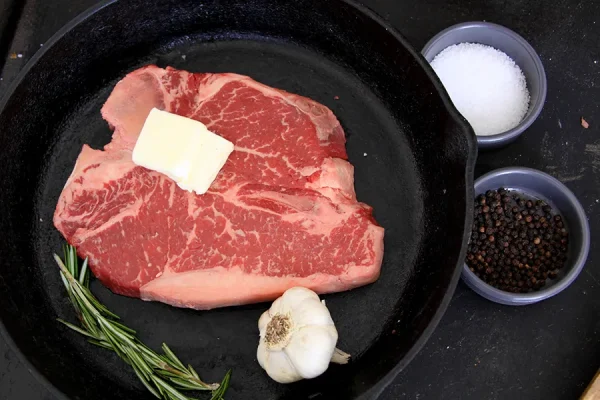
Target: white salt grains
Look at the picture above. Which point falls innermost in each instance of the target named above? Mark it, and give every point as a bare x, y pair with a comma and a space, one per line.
485, 85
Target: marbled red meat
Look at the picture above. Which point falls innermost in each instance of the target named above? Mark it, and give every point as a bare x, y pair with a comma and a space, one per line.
281, 213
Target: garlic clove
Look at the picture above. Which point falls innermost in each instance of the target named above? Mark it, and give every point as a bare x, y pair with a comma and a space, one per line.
291, 299
280, 368
279, 306
262, 354
312, 312
263, 321
311, 348
297, 295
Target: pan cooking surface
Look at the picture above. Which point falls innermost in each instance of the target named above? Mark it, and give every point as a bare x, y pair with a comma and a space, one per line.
213, 341
412, 153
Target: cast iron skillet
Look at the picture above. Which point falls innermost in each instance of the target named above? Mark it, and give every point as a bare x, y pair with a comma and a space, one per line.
413, 156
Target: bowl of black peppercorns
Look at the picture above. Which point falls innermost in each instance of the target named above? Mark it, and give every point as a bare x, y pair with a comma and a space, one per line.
530, 237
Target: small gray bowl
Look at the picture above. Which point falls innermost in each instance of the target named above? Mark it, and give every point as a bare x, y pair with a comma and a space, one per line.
536, 184
515, 47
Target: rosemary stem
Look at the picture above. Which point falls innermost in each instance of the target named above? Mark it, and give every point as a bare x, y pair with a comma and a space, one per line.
165, 376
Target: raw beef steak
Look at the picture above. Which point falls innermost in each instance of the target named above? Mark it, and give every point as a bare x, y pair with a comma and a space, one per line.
281, 213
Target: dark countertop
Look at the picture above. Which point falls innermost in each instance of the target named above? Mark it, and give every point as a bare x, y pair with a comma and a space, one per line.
480, 350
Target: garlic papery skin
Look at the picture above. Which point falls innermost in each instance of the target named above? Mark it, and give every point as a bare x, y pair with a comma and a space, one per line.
297, 337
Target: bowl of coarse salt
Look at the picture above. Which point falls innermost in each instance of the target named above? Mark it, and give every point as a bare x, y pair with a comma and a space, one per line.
493, 76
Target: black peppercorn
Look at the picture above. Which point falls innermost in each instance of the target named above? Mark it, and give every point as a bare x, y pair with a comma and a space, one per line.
516, 243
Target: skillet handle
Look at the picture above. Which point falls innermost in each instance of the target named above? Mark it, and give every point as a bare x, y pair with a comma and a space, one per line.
593, 390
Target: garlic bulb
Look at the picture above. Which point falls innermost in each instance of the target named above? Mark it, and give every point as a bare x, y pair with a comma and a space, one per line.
297, 337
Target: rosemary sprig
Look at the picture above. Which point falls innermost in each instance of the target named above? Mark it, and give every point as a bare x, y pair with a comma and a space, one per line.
164, 375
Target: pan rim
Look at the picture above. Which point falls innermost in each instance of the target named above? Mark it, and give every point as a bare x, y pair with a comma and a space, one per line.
459, 120
380, 386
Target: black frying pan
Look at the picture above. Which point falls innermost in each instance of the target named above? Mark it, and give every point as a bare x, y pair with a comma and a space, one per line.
417, 175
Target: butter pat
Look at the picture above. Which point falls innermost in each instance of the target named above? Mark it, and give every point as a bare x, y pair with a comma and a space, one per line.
181, 148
